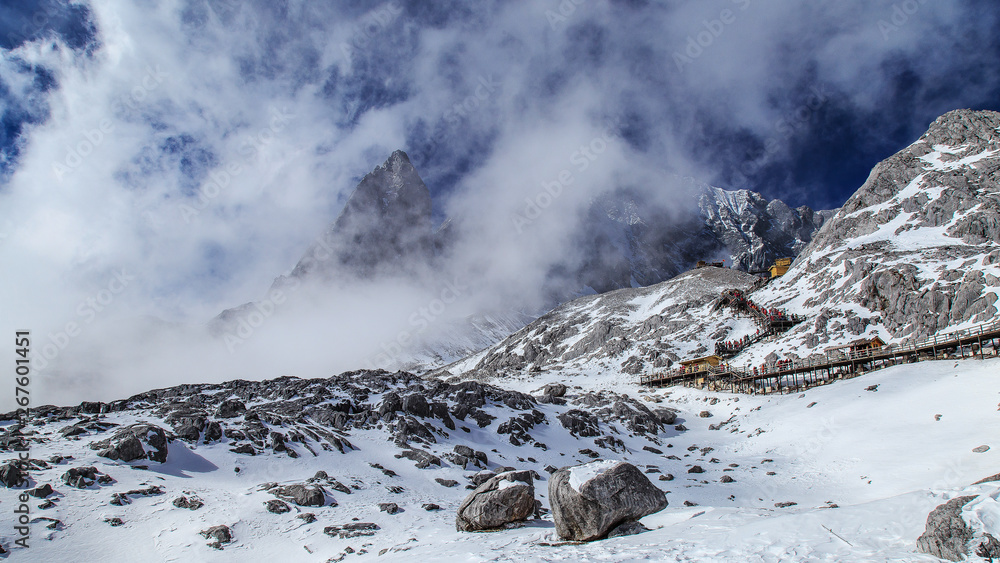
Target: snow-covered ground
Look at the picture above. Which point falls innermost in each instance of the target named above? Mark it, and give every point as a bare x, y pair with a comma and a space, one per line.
885, 458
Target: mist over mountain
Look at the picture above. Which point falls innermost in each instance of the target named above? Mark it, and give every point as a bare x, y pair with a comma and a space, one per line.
200, 148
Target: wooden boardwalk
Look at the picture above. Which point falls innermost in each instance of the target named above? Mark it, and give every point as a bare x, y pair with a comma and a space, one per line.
793, 375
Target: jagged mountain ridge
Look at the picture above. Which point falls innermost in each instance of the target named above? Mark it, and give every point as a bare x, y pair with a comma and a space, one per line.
914, 252
631, 240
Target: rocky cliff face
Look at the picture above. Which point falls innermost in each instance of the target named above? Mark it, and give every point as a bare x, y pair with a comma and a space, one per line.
915, 251
385, 227
632, 241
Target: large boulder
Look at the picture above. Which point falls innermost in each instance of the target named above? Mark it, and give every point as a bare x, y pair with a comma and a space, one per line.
592, 499
138, 441
946, 534
302, 495
502, 499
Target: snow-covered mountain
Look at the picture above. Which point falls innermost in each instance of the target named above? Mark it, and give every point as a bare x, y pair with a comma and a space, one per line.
916, 251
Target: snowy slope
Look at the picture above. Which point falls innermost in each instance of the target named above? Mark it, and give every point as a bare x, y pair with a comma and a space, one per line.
883, 458
624, 332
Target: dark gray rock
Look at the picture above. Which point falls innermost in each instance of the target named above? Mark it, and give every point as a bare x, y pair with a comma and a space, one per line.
629, 528
503, 499
580, 423
554, 390
302, 495
275, 506
610, 494
416, 404
42, 491
11, 475
80, 477
230, 409
138, 441
946, 535
219, 535
389, 507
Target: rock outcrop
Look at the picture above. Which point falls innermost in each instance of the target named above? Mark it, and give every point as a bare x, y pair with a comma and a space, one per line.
503, 499
946, 535
589, 501
139, 441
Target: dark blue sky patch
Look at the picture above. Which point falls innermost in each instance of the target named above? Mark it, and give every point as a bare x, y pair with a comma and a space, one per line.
27, 20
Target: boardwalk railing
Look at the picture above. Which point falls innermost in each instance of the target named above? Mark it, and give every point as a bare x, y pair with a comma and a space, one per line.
851, 361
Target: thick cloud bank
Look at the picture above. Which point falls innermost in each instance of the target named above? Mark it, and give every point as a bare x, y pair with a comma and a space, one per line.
163, 160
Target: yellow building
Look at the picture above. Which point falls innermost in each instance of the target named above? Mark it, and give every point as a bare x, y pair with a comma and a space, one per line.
701, 364
780, 267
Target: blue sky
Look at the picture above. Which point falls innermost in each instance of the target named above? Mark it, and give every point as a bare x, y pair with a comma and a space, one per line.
870, 76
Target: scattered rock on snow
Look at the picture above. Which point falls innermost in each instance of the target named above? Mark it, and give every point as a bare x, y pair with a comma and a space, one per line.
219, 534
352, 530
42, 491
80, 477
192, 503
302, 495
275, 506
